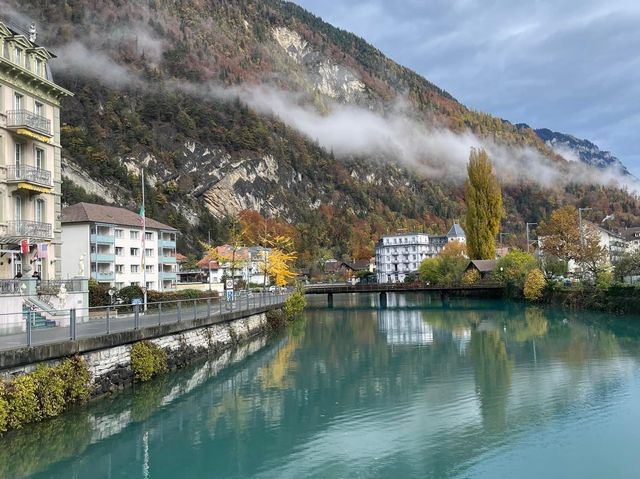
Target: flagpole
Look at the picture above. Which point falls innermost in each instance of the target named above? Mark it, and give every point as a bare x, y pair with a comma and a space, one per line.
144, 255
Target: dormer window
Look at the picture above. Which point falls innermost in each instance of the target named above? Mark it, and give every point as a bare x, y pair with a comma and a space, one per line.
18, 56
38, 66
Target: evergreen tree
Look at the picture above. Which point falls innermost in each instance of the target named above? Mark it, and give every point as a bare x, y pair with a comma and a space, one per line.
484, 206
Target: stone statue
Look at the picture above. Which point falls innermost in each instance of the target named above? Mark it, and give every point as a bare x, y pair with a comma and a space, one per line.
62, 297
33, 33
81, 266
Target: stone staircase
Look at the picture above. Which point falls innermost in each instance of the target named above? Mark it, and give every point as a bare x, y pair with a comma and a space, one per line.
37, 319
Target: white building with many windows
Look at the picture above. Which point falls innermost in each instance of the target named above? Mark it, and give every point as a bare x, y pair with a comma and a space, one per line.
30, 172
106, 243
400, 254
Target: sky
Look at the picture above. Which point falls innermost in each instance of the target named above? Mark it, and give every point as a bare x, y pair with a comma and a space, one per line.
572, 66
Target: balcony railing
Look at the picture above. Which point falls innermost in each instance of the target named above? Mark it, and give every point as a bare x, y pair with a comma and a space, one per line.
102, 238
30, 120
103, 275
103, 257
30, 174
167, 259
167, 243
29, 229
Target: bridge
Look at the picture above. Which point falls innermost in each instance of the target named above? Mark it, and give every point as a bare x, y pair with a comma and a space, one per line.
484, 289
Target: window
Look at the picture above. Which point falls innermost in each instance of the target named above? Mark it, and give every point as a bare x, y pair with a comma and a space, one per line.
119, 233
18, 155
18, 53
119, 251
148, 236
134, 251
150, 285
119, 285
134, 234
135, 283
40, 210
148, 252
40, 159
38, 66
148, 268
18, 208
135, 268
38, 108
17, 101
119, 268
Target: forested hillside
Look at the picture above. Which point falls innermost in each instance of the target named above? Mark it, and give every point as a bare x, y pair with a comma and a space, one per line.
237, 106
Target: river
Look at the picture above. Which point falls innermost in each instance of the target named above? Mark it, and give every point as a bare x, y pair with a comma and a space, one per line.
422, 388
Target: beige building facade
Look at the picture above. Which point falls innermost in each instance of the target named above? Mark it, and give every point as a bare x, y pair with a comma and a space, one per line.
30, 158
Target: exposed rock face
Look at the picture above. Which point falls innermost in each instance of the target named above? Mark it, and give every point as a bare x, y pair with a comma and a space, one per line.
575, 149
328, 78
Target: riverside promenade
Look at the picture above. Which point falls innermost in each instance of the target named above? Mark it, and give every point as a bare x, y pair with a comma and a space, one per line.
89, 329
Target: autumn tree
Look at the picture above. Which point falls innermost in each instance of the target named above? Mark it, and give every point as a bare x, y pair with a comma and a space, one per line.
278, 259
563, 237
484, 206
454, 249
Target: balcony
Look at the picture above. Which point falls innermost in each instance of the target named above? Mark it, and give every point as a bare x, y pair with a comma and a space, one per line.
167, 259
102, 239
29, 229
103, 257
29, 174
168, 275
165, 243
103, 275
21, 120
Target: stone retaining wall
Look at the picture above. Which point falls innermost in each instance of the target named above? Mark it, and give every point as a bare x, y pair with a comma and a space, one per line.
110, 367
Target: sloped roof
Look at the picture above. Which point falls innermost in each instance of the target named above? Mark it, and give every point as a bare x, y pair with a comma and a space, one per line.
456, 231
361, 264
92, 213
483, 265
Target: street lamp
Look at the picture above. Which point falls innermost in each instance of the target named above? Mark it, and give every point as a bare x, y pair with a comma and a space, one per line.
528, 240
580, 210
209, 279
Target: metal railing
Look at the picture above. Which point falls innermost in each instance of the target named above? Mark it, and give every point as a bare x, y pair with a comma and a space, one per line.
32, 327
10, 286
30, 174
51, 287
32, 229
28, 119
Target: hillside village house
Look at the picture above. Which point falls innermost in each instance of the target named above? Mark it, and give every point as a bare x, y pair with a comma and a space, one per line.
107, 244
245, 264
30, 173
400, 254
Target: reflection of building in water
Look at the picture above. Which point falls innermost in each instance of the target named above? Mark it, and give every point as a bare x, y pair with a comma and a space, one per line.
404, 327
461, 338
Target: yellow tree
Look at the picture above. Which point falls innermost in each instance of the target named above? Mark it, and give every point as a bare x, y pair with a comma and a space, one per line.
484, 206
278, 259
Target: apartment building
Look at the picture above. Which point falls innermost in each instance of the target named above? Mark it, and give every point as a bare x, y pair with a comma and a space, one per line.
30, 173
107, 244
400, 254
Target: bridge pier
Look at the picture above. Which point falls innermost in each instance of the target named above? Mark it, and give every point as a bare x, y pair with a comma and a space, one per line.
383, 299
330, 300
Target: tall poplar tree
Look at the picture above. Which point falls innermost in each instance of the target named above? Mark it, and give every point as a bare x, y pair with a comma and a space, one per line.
484, 206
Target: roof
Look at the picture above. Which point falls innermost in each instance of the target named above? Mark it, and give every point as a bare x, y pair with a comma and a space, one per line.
180, 257
361, 264
92, 213
483, 265
208, 263
631, 233
456, 231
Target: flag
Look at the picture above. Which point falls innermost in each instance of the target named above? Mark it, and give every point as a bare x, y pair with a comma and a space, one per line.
142, 224
24, 246
42, 250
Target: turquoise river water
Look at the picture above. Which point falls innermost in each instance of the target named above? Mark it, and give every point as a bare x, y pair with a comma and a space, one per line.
420, 389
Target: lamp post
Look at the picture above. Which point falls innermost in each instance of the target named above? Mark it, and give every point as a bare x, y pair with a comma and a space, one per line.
528, 240
209, 279
580, 210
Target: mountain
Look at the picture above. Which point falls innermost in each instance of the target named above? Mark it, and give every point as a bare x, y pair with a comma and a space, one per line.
571, 147
242, 110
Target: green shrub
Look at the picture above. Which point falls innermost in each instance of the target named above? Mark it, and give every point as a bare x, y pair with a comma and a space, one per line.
77, 379
23, 401
147, 360
191, 294
50, 390
4, 409
98, 293
604, 280
129, 293
294, 304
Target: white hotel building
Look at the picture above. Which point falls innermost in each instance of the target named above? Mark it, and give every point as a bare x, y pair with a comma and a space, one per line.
105, 243
400, 254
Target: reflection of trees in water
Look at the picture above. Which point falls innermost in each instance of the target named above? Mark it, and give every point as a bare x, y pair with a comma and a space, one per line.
493, 377
531, 325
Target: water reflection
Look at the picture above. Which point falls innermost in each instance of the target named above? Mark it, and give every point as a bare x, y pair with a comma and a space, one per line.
419, 389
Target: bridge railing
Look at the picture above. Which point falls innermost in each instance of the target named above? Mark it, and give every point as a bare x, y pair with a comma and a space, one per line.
416, 286
33, 326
